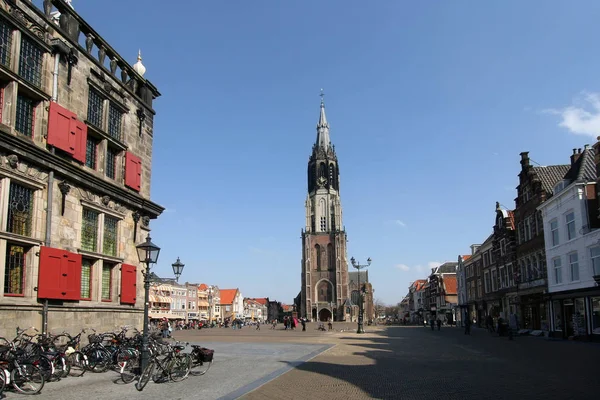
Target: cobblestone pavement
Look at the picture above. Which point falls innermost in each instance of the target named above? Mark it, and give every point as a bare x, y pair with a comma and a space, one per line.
384, 363
417, 363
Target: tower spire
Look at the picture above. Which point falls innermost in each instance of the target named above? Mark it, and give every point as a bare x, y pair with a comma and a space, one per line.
323, 139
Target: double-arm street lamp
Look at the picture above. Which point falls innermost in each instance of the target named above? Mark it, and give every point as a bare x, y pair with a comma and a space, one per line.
148, 254
360, 266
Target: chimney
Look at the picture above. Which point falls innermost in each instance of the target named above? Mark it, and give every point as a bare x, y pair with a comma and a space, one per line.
575, 156
525, 160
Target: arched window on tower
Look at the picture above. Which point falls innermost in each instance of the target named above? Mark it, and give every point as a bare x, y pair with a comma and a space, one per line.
325, 292
331, 174
330, 256
323, 215
322, 170
318, 256
332, 218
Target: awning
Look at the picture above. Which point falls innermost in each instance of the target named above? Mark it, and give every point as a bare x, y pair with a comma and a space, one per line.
159, 299
203, 303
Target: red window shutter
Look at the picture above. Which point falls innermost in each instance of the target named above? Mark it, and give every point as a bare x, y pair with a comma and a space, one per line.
60, 128
71, 275
59, 275
139, 175
80, 130
133, 171
50, 271
128, 284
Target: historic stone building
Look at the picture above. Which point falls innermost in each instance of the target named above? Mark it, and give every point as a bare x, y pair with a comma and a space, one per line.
324, 291
76, 133
536, 185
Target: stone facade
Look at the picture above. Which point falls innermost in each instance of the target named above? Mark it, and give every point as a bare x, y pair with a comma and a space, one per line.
324, 290
45, 191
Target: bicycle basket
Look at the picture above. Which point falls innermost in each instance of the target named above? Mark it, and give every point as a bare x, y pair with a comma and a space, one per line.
93, 338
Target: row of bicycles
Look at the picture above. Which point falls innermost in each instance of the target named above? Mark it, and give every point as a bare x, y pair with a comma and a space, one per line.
31, 359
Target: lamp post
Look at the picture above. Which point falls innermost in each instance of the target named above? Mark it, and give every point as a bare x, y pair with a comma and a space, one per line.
360, 266
148, 254
210, 301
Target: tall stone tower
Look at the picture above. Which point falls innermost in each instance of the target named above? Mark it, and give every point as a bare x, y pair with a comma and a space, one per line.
324, 266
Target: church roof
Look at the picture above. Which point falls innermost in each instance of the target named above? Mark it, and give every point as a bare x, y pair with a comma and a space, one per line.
323, 140
353, 276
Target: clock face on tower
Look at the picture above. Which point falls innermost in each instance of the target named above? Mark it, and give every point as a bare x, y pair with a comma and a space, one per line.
321, 181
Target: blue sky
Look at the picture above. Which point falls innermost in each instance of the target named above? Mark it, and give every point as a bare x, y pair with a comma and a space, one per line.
430, 104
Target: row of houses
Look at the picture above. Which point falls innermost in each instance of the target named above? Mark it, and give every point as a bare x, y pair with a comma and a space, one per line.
188, 302
435, 297
541, 260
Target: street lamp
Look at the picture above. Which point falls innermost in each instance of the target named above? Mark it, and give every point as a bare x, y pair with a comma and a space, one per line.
177, 268
360, 266
148, 254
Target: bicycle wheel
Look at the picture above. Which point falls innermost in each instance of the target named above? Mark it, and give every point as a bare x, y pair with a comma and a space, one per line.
129, 365
3, 375
180, 368
78, 363
27, 379
145, 376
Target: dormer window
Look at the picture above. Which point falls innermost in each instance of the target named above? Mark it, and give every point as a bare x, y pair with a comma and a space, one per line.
560, 186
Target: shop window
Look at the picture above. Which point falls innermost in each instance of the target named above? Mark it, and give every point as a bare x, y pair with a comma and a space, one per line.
595, 301
558, 315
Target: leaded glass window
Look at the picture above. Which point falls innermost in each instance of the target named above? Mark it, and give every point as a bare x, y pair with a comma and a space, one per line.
30, 64
86, 278
91, 154
111, 160
106, 281
114, 121
5, 42
13, 272
110, 236
20, 210
89, 230
25, 114
95, 108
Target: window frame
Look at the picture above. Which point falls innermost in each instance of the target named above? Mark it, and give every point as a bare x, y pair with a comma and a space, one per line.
114, 154
23, 274
111, 267
554, 232
573, 263
116, 235
37, 72
557, 267
90, 278
16, 126
570, 224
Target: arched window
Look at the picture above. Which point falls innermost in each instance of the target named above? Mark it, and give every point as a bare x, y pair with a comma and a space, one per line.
322, 170
325, 292
331, 174
330, 256
318, 255
355, 297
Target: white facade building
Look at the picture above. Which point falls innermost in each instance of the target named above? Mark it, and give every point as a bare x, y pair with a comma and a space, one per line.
572, 242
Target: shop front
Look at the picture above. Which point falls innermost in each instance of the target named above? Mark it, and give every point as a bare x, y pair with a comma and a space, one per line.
533, 306
576, 315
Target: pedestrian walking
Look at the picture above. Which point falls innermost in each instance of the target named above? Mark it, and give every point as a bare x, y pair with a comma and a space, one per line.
439, 324
467, 326
303, 322
258, 325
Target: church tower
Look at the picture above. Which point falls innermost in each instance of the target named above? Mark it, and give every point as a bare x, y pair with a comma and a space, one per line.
324, 266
